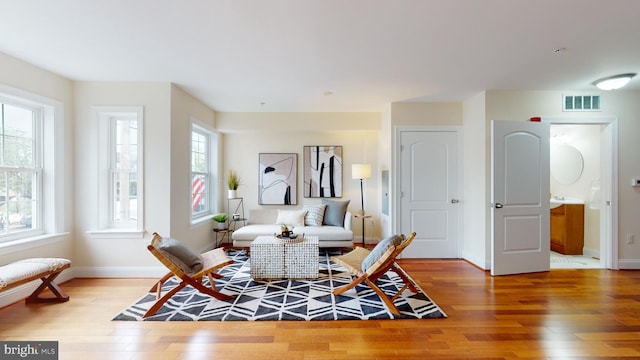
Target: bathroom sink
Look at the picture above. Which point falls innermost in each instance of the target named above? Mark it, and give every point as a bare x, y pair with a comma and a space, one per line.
555, 202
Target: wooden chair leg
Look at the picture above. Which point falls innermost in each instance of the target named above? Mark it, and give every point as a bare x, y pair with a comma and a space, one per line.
47, 282
209, 291
408, 283
383, 297
349, 286
158, 304
157, 287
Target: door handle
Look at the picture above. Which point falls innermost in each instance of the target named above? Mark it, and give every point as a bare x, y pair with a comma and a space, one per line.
498, 206
455, 201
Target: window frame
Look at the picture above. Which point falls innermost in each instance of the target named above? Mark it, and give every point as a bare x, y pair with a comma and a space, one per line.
212, 151
36, 167
50, 217
106, 118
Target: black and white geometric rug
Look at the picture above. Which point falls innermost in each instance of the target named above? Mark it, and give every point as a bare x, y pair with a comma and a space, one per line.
285, 299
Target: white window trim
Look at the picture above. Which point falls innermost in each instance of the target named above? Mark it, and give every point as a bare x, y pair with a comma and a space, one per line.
214, 141
103, 227
52, 208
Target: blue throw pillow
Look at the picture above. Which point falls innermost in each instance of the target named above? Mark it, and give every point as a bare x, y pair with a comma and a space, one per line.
380, 249
335, 211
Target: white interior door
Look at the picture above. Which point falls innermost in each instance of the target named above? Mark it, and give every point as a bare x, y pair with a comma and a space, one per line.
429, 190
519, 197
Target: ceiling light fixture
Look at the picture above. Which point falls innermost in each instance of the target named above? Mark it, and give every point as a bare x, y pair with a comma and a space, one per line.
613, 82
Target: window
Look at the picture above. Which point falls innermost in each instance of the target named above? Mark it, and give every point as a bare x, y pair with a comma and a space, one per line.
32, 166
20, 167
203, 144
120, 166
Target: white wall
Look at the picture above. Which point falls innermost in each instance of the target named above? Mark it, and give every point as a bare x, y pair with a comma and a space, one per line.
385, 156
476, 187
116, 256
184, 109
248, 134
26, 77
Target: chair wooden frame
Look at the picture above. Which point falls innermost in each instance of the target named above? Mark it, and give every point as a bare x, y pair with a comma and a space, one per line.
212, 261
352, 261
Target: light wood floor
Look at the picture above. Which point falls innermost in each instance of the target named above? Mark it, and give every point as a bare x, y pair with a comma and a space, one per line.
559, 314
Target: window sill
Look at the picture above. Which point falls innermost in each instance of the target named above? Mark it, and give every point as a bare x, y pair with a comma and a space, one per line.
30, 242
117, 234
201, 220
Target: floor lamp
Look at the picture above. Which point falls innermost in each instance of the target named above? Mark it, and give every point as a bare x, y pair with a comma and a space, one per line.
361, 171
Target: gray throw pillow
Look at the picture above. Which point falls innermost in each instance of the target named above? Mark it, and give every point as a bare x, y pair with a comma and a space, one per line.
380, 249
187, 260
335, 211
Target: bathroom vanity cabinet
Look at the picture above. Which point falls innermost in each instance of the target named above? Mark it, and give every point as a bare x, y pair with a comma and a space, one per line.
567, 229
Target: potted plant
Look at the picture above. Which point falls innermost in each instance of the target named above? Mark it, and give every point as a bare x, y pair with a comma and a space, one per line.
233, 181
221, 219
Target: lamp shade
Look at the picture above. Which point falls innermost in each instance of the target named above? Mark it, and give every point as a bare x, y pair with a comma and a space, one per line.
613, 82
360, 171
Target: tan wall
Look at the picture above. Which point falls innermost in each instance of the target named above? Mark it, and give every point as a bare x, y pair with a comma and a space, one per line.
248, 134
623, 105
449, 113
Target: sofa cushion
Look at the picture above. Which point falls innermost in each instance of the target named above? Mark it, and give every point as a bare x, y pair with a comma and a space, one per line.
324, 233
381, 249
291, 217
315, 214
334, 213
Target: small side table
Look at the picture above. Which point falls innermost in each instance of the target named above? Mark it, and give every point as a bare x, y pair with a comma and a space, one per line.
225, 233
364, 219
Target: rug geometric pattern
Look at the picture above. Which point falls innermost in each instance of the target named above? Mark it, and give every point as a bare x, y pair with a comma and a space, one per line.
285, 299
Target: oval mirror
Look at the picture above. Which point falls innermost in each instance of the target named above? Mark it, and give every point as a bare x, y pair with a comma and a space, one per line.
566, 164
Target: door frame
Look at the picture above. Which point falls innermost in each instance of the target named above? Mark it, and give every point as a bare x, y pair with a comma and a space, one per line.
396, 177
609, 245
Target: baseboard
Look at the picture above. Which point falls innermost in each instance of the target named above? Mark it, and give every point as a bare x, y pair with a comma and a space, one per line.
478, 262
118, 272
592, 253
629, 264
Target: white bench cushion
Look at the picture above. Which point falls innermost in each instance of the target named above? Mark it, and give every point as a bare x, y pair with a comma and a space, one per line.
24, 269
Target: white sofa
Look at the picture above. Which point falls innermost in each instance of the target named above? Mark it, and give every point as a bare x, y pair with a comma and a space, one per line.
264, 222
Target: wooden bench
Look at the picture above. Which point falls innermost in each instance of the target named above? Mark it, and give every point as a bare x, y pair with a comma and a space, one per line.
24, 271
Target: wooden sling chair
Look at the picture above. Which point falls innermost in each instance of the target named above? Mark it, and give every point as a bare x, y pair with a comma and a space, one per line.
377, 262
187, 266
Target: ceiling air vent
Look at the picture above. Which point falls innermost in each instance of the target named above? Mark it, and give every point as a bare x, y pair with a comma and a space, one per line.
581, 103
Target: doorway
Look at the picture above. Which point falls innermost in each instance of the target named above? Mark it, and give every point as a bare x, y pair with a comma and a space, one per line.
586, 178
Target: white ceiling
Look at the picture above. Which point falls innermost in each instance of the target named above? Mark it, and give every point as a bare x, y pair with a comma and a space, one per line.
283, 55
